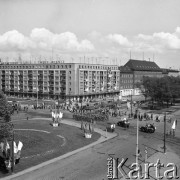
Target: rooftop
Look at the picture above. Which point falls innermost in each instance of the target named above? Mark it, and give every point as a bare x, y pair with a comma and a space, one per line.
125, 69
142, 65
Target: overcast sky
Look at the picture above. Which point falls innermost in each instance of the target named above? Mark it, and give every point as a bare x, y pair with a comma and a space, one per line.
92, 28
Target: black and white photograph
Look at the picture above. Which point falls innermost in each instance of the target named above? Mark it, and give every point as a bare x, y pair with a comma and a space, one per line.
89, 89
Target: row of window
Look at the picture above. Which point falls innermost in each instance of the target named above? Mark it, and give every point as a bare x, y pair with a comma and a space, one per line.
126, 75
126, 87
34, 66
98, 67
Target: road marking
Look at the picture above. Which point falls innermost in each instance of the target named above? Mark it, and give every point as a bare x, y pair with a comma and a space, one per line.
64, 140
33, 130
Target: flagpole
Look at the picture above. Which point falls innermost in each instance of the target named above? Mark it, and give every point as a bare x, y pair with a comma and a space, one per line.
137, 141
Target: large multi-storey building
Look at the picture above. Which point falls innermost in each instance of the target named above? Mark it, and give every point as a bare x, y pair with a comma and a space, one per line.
56, 80
141, 68
126, 81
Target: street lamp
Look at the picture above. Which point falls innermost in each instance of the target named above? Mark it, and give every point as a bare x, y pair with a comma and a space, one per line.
137, 140
131, 103
164, 133
37, 96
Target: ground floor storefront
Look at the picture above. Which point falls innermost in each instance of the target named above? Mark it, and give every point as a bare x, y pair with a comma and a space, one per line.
81, 97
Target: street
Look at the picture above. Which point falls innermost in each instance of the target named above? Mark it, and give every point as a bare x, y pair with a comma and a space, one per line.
92, 163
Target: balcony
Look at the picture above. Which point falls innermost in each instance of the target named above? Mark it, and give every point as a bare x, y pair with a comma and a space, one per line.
40, 79
30, 90
20, 74
63, 83
46, 91
34, 78
51, 73
109, 75
86, 79
115, 88
51, 80
51, 85
7, 78
86, 85
62, 79
62, 74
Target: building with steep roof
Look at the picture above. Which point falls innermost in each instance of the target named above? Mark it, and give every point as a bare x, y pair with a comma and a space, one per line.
126, 81
141, 68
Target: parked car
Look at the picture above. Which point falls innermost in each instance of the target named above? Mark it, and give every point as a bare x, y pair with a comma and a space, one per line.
123, 123
149, 128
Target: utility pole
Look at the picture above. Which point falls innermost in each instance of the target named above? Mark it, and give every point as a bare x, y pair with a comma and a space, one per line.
12, 163
137, 141
165, 133
37, 96
131, 103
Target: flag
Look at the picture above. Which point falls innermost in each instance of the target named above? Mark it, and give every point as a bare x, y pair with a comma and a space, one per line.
15, 147
60, 115
174, 125
53, 115
20, 145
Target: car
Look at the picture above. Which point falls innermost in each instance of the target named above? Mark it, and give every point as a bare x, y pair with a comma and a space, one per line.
149, 128
123, 123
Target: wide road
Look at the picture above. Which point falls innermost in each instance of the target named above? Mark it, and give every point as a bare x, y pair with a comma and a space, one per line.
91, 164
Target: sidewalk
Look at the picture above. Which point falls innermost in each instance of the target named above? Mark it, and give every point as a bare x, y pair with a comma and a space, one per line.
104, 137
164, 158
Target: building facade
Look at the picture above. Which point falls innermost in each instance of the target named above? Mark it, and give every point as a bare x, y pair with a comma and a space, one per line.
126, 81
56, 80
141, 68
170, 72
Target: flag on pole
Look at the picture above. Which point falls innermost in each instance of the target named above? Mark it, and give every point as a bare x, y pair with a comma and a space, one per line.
53, 114
174, 125
20, 145
15, 147
60, 115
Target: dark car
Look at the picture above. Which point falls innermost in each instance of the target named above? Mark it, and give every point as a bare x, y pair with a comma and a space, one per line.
150, 128
123, 123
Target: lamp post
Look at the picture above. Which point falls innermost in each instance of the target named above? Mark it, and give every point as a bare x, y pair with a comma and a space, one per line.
164, 133
137, 140
131, 103
37, 88
12, 163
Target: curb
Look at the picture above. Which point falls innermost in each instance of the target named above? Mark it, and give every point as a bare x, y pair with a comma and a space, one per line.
102, 139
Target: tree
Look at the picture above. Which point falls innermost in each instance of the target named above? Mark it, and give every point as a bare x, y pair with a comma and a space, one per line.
165, 89
5, 117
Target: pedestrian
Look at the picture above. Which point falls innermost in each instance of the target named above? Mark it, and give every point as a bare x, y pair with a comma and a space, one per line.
139, 153
151, 116
27, 118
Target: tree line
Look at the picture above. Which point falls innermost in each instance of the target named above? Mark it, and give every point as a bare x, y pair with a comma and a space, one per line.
161, 90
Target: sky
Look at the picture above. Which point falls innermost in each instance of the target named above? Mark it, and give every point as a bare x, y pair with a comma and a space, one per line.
99, 31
